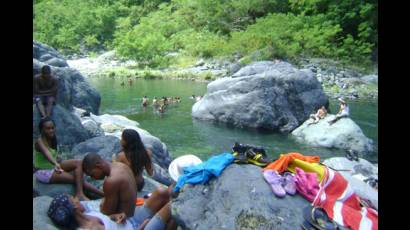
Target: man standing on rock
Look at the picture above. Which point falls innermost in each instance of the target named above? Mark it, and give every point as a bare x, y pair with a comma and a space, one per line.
120, 193
45, 88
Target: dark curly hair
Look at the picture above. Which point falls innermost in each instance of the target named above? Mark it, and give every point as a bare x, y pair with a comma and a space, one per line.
41, 126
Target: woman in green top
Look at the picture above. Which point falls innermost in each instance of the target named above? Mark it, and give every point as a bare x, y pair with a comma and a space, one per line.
50, 170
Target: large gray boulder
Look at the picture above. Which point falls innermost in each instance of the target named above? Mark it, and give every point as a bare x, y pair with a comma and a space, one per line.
48, 55
40, 219
238, 199
344, 134
105, 146
263, 95
69, 130
357, 172
93, 129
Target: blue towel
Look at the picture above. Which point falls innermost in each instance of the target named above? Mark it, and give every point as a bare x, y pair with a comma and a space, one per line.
201, 173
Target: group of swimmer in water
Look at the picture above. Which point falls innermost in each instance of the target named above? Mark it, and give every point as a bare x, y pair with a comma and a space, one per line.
160, 104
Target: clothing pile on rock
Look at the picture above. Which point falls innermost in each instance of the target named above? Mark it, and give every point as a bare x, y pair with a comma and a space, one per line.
334, 204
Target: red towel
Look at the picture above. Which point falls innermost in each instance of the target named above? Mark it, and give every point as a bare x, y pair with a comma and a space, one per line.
284, 160
342, 205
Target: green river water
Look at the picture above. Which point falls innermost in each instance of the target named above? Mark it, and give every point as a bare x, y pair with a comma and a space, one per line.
184, 135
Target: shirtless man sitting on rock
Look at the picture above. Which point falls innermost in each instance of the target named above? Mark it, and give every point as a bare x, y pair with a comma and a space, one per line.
45, 87
120, 193
320, 114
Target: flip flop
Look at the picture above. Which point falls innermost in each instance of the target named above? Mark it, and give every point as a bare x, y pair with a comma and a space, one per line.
275, 180
318, 218
289, 183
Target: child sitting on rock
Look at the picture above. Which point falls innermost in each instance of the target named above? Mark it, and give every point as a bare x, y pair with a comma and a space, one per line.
320, 114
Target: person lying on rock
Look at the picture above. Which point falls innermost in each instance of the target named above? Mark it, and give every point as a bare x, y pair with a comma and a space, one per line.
68, 212
49, 168
343, 111
135, 156
120, 192
45, 88
320, 114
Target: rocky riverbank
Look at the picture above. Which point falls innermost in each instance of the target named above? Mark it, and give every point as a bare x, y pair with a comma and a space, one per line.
337, 80
79, 127
239, 198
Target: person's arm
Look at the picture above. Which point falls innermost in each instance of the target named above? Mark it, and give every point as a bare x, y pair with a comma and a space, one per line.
54, 89
340, 109
35, 86
111, 195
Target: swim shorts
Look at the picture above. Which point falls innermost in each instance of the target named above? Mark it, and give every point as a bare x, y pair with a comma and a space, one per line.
44, 175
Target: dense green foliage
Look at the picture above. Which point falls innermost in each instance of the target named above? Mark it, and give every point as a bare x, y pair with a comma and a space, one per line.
152, 31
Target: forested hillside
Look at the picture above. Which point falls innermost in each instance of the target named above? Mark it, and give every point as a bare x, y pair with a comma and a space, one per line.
153, 31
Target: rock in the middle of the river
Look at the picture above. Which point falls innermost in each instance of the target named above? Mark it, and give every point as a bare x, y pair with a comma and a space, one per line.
263, 95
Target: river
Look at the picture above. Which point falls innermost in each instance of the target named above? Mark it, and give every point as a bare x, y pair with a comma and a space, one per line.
184, 135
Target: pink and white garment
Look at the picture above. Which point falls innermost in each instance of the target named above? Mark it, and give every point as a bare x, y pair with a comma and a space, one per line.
342, 205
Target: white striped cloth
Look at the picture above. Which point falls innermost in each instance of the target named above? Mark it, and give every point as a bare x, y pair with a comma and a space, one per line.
342, 205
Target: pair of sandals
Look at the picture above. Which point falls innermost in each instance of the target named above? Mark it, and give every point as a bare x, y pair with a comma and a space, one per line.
315, 218
373, 182
352, 155
281, 185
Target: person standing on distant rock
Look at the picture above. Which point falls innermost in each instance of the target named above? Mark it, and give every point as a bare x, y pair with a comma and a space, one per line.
343, 111
45, 88
50, 169
135, 155
320, 114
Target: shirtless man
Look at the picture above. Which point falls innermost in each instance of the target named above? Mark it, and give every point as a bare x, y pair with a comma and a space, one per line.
120, 191
320, 114
45, 88
144, 101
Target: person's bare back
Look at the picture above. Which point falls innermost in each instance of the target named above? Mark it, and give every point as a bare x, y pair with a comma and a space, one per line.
120, 191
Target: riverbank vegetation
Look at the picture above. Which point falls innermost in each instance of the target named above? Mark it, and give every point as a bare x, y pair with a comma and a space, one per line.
162, 33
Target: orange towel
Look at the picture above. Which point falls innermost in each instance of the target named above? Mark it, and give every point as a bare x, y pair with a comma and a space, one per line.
285, 159
139, 201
